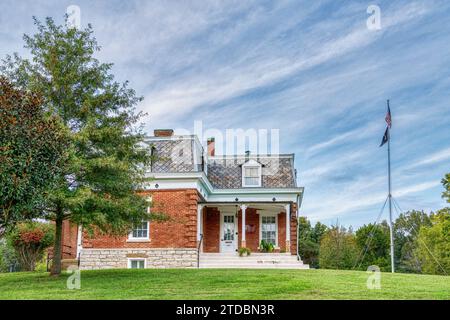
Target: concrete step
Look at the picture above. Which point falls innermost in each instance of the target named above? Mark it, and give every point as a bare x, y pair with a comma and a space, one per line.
254, 266
257, 261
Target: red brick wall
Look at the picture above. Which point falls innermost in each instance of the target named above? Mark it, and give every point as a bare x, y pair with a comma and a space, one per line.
69, 240
282, 231
252, 229
293, 229
211, 230
179, 232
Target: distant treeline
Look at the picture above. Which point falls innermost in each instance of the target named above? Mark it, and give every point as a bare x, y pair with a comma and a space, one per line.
422, 244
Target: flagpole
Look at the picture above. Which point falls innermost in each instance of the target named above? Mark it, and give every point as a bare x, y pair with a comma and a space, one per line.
390, 198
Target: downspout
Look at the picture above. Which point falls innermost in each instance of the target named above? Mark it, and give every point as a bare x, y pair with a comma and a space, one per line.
79, 244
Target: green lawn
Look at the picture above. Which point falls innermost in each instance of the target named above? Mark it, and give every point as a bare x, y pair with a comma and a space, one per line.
223, 284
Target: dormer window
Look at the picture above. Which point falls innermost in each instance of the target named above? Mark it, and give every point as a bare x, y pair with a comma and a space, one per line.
251, 174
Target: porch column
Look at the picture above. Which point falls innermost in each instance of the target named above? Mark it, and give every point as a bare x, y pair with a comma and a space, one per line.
243, 208
199, 221
287, 208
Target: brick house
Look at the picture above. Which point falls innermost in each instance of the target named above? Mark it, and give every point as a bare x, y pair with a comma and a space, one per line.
216, 205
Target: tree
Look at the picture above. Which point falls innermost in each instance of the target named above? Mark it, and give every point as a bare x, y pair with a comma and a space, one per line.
33, 151
406, 229
433, 245
107, 165
309, 241
373, 243
29, 241
446, 183
8, 258
338, 249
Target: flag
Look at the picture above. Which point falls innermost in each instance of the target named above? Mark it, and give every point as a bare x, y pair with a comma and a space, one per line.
388, 116
385, 137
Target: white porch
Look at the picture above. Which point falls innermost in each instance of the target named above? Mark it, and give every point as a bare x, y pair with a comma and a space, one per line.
225, 227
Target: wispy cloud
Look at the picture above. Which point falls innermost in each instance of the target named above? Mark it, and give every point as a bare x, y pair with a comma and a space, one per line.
311, 69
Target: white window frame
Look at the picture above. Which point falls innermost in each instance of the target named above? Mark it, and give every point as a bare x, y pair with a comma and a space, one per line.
137, 259
147, 238
140, 239
276, 227
251, 164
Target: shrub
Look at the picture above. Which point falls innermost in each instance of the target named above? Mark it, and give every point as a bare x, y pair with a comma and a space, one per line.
29, 240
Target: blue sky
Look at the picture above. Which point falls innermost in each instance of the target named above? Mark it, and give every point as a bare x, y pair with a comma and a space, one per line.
309, 68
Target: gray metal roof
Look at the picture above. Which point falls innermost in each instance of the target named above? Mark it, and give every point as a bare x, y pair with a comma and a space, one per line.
178, 155
173, 155
277, 171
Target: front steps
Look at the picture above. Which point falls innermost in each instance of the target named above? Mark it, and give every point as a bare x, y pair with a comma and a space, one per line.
254, 261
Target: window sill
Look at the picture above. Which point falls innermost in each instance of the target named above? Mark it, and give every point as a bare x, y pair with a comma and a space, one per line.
139, 240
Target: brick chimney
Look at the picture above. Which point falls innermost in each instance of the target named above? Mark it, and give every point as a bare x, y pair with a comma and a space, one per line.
163, 132
211, 147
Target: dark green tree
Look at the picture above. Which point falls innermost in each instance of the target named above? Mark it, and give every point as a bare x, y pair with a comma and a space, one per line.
446, 183
33, 151
373, 244
433, 244
107, 165
309, 241
338, 249
406, 229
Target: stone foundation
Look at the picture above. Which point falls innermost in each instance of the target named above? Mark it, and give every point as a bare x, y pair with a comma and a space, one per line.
155, 258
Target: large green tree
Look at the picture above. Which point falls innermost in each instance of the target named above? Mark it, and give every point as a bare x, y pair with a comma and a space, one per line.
433, 244
373, 243
309, 241
446, 183
34, 148
406, 229
97, 188
338, 249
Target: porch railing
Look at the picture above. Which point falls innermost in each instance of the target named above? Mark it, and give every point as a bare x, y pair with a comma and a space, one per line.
198, 250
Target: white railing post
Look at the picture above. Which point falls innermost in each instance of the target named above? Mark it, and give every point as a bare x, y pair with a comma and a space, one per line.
243, 208
287, 208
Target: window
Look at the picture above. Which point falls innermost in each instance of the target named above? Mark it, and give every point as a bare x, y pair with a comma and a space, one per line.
140, 231
136, 263
269, 229
251, 174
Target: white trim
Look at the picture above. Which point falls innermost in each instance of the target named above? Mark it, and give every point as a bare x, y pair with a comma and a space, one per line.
236, 237
254, 156
276, 227
136, 259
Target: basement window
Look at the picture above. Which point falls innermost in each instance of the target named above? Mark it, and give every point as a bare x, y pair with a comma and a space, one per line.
136, 263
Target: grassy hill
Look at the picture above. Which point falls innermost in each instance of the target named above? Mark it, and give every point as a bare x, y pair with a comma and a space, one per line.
223, 284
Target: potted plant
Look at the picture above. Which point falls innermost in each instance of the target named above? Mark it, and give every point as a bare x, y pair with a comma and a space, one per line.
244, 252
265, 246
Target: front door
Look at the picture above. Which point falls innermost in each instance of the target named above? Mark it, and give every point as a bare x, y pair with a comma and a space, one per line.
228, 233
